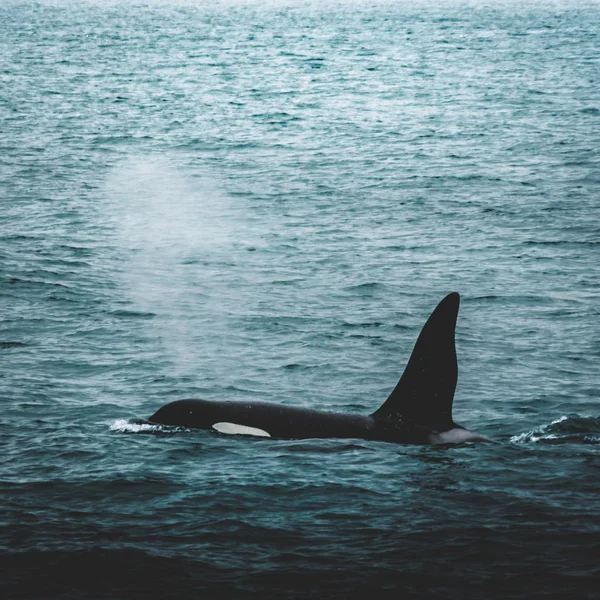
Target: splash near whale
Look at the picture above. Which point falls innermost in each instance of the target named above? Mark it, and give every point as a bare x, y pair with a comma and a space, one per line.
418, 411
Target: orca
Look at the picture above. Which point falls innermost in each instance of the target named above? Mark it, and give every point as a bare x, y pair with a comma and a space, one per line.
418, 411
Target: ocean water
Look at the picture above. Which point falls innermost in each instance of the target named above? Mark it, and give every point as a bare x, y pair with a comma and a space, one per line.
265, 200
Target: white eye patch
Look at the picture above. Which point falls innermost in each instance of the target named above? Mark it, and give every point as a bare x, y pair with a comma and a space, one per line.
235, 429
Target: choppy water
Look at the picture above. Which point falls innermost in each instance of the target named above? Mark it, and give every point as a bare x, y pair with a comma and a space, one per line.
245, 200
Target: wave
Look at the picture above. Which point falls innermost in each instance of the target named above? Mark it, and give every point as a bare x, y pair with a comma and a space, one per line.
567, 429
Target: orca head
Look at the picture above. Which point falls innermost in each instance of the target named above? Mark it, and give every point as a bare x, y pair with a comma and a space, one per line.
176, 413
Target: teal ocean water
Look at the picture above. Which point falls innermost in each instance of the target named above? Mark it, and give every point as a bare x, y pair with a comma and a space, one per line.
265, 200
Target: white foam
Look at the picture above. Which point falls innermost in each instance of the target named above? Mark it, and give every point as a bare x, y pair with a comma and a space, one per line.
236, 429
126, 426
532, 436
537, 434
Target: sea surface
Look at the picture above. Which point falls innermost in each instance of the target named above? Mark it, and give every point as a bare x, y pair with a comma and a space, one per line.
265, 201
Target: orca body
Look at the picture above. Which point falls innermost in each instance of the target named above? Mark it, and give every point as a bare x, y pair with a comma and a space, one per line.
418, 411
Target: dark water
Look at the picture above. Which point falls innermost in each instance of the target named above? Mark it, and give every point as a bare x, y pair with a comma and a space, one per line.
244, 200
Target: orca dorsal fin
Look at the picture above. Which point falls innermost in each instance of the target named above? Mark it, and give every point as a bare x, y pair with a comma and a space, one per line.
425, 392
